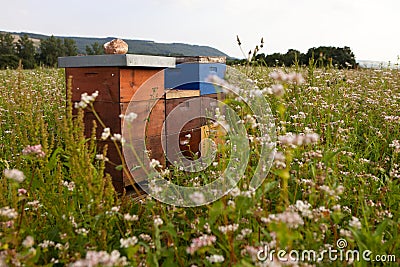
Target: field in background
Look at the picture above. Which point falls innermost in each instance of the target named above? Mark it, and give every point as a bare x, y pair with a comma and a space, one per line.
344, 186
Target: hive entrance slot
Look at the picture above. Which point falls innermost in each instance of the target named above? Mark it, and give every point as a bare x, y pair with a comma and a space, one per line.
91, 74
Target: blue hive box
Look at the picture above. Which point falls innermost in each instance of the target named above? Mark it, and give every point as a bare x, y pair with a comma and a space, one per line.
191, 73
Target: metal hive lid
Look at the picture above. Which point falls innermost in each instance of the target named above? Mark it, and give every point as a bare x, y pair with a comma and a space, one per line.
126, 60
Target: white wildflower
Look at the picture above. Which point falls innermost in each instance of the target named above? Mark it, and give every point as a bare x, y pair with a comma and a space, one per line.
106, 133
279, 160
101, 157
70, 186
80, 105
396, 145
198, 198
340, 189
235, 192
158, 221
28, 242
118, 138
276, 89
46, 244
278, 76
145, 237
115, 209
231, 203
202, 241
130, 117
345, 233
228, 228
295, 140
86, 99
8, 212
35, 204
215, 258
130, 218
82, 231
155, 163
355, 223
295, 77
101, 258
15, 175
165, 172
292, 77
304, 208
290, 218
336, 208
128, 242
35, 150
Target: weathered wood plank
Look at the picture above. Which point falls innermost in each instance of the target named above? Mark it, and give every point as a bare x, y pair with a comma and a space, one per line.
149, 80
88, 80
172, 93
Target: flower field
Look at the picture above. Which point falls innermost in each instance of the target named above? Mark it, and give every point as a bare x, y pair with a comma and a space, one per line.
333, 189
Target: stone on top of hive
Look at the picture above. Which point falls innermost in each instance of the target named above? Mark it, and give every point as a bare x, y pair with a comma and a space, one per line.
116, 46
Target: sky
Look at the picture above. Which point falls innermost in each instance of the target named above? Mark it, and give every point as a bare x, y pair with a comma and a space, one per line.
369, 27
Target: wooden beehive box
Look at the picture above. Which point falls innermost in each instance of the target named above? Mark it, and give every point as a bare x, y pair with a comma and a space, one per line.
117, 78
188, 79
183, 83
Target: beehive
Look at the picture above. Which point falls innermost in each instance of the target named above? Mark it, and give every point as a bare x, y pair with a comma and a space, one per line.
189, 78
118, 77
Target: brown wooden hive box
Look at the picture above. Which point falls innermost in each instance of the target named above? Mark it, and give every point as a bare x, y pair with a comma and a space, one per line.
117, 78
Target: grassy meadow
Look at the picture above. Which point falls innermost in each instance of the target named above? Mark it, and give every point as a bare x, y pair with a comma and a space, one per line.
58, 207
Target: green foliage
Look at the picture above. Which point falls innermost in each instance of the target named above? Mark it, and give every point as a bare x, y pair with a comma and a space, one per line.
8, 56
333, 56
26, 52
52, 48
94, 49
8, 61
325, 57
70, 47
6, 44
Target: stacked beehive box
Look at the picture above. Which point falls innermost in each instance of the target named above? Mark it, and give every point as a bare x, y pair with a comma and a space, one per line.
188, 80
118, 77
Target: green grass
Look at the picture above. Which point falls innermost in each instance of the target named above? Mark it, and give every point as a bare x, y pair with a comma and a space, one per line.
307, 201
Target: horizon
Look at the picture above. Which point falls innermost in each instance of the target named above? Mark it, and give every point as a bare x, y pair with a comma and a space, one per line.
107, 37
364, 26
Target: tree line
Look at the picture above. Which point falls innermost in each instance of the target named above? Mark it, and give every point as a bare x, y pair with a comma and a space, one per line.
323, 56
24, 51
13, 52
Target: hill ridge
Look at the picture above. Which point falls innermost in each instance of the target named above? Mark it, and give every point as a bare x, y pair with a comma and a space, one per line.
148, 47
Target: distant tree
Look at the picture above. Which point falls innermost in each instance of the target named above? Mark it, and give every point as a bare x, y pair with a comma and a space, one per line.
70, 47
26, 52
6, 44
50, 49
323, 56
346, 55
259, 59
276, 59
333, 56
94, 49
291, 56
8, 56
